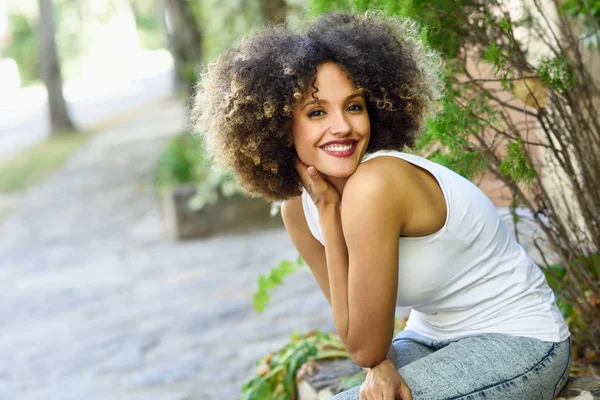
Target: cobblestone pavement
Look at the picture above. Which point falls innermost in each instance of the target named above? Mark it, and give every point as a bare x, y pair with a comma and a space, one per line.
96, 304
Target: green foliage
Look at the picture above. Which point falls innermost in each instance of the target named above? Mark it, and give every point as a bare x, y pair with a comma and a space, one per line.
224, 22
559, 280
180, 161
272, 279
183, 160
517, 164
275, 377
390, 7
505, 24
583, 8
449, 133
499, 60
149, 26
23, 48
588, 11
556, 73
446, 32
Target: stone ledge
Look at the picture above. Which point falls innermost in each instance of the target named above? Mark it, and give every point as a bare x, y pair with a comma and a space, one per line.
328, 374
229, 214
581, 388
323, 383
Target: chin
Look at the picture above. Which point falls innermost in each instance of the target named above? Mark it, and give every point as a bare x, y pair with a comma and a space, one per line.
340, 173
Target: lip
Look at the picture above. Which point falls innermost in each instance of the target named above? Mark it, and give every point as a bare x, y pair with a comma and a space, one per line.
345, 153
339, 141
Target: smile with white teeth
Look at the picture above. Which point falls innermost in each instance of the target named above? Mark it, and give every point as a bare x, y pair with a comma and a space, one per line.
338, 147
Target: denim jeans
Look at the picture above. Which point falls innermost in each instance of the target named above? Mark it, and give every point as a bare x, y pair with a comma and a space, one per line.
489, 366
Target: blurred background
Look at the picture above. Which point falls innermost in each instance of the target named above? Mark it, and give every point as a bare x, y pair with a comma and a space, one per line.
132, 269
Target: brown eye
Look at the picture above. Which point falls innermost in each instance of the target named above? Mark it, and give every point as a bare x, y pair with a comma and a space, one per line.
315, 113
355, 107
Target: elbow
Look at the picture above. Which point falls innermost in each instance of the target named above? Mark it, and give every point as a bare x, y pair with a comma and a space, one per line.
367, 359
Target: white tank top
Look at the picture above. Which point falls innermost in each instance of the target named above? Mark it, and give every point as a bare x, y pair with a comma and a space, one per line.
471, 276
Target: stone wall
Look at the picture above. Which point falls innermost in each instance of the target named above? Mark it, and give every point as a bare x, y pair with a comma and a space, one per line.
230, 214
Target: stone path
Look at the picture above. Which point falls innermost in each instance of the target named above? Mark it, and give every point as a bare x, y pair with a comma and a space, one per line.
96, 304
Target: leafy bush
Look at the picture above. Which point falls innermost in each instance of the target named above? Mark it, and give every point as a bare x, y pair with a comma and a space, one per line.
276, 373
23, 47
184, 160
148, 23
180, 161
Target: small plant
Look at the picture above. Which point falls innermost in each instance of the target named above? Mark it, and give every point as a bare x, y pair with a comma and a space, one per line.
276, 373
180, 161
272, 279
23, 47
184, 160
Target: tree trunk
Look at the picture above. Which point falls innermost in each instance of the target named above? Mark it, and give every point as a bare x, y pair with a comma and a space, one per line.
275, 11
185, 43
60, 122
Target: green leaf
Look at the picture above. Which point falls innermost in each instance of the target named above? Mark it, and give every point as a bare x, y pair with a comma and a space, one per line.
517, 164
272, 279
556, 73
260, 299
505, 24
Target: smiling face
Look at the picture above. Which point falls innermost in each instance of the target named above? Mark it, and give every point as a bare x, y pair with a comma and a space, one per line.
331, 129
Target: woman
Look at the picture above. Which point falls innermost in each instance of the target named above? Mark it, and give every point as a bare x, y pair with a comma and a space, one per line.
330, 111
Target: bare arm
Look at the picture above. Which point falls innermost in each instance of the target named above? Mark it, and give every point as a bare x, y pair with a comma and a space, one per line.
361, 243
361, 252
311, 250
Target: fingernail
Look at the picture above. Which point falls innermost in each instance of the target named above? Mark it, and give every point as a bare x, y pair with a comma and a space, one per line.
312, 171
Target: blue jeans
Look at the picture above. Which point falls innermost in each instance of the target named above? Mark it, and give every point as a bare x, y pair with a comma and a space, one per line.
489, 366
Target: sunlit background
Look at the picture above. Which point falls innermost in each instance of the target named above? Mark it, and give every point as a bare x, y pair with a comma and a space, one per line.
120, 276
131, 268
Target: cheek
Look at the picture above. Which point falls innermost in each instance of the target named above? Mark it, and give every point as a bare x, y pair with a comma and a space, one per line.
365, 125
302, 138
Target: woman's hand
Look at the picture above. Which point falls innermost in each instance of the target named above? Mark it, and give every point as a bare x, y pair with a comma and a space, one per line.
384, 383
321, 192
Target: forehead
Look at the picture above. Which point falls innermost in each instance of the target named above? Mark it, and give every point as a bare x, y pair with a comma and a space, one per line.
331, 82
331, 76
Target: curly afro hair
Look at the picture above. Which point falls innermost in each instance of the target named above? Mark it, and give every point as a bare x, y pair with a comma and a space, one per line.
243, 104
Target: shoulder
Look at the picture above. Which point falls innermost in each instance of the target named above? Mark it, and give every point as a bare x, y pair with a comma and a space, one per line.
380, 179
379, 191
292, 211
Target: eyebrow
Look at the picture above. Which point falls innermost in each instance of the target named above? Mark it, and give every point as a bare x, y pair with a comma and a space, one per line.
357, 94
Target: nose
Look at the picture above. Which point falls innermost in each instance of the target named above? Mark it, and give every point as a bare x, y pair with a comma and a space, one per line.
340, 126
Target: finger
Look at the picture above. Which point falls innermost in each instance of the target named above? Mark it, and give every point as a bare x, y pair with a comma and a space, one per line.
302, 173
321, 185
319, 182
363, 393
300, 166
389, 394
405, 392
